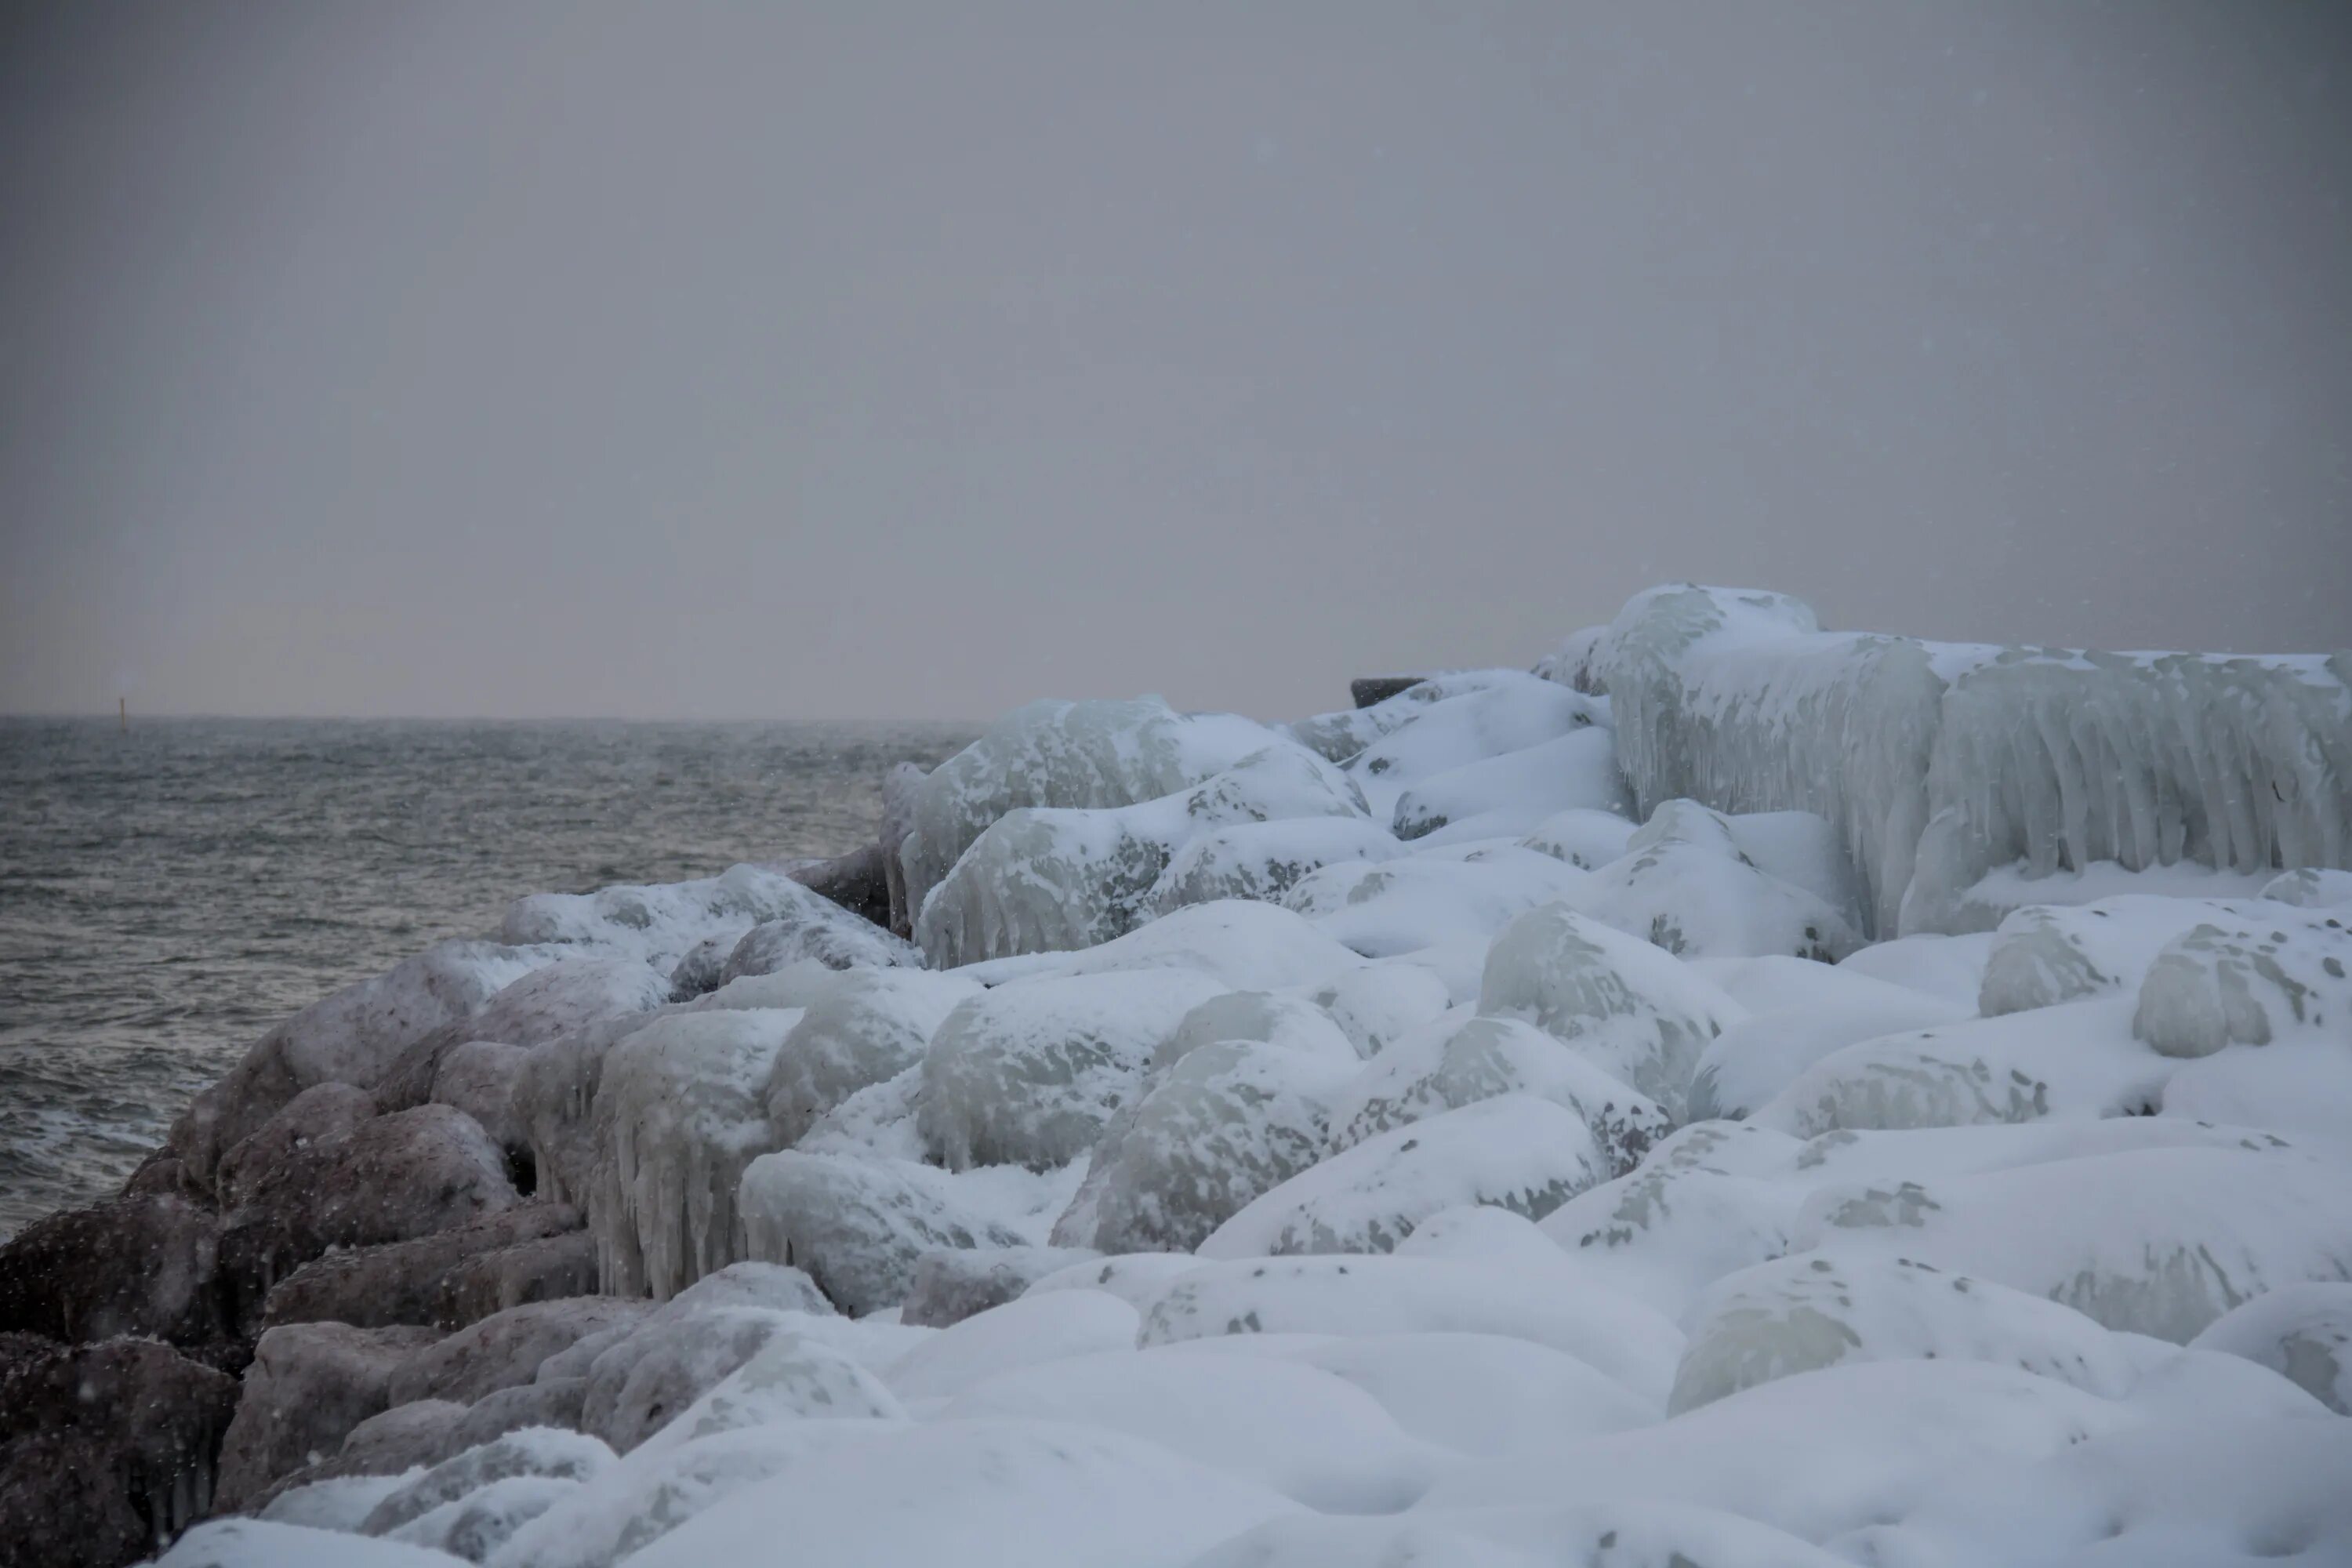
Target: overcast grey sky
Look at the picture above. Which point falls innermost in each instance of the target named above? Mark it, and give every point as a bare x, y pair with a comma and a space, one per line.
572, 358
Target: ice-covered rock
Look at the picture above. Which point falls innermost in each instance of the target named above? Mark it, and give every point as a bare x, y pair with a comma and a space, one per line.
814, 931
642, 1383
1795, 1314
1389, 999
1689, 884
1756, 1058
1028, 1073
2249, 981
1242, 945
681, 1110
2045, 955
2077, 1059
1514, 1150
415, 1281
339, 1503
1424, 900
658, 923
1585, 838
395, 1178
2303, 1332
1071, 756
1045, 880
1461, 1062
2300, 1089
2311, 888
504, 1349
1340, 736
2157, 1241
1263, 860
1514, 794
479, 1523
1506, 713
1629, 1007
859, 1225
1224, 1123
532, 1451
1950, 967
951, 1285
866, 1028
308, 1385
1135, 1277
548, 1002
352, 1036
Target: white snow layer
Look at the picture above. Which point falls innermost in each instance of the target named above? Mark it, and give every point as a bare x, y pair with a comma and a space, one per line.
1367, 1139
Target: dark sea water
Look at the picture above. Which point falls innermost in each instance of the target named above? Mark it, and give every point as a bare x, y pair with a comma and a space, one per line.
169, 893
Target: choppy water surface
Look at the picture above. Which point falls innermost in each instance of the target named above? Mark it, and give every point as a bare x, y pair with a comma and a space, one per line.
169, 893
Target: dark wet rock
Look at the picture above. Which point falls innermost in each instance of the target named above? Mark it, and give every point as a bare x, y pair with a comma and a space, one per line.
165, 1174
352, 1037
698, 972
415, 1281
321, 1111
858, 881
144, 1264
308, 1385
547, 1270
1370, 689
506, 1348
479, 1079
545, 1004
554, 1402
107, 1451
412, 1174
951, 1285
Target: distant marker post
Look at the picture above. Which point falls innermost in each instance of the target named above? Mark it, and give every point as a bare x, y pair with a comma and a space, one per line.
122, 713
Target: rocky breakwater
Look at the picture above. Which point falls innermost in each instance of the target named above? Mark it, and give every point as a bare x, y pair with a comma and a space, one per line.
1392, 1134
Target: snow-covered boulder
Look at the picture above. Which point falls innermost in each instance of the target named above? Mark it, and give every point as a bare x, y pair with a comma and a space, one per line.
2303, 1332
2311, 888
1071, 756
2044, 955
1756, 1058
641, 1382
1045, 880
1820, 1308
1688, 883
1263, 860
473, 1526
1435, 898
952, 1284
1028, 1073
1585, 838
658, 923
1514, 1152
866, 1028
2249, 981
533, 1451
1629, 1007
1224, 1123
1461, 1062
1511, 795
2075, 1060
2157, 1241
1509, 713
859, 1225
